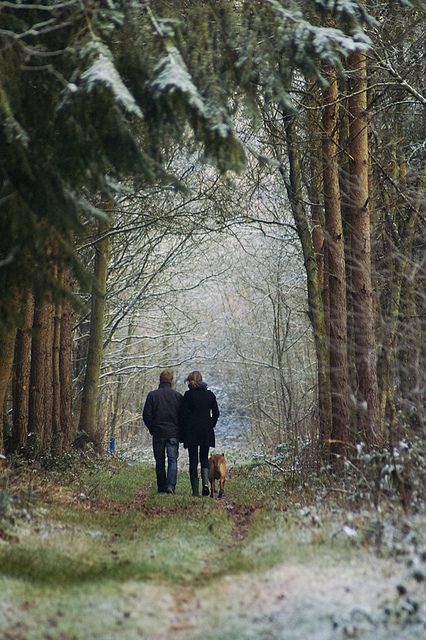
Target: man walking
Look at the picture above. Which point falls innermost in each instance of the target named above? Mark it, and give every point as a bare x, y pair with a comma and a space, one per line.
161, 417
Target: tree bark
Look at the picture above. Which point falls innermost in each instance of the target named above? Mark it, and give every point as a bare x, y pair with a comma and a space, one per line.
7, 347
65, 370
361, 292
48, 376
40, 402
411, 340
346, 214
318, 223
56, 379
398, 242
336, 267
316, 311
88, 413
21, 377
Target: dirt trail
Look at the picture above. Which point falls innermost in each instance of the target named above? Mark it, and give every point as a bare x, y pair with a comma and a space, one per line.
315, 600
317, 593
293, 601
241, 517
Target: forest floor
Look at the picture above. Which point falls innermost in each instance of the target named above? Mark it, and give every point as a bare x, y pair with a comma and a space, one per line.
99, 554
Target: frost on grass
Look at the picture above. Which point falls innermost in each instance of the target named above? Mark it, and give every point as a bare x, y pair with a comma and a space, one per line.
102, 71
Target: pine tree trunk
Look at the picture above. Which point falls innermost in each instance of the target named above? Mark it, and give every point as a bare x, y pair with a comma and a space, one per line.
21, 377
65, 371
361, 292
40, 403
336, 267
346, 215
88, 414
318, 220
48, 376
117, 399
7, 348
56, 380
316, 311
411, 347
399, 249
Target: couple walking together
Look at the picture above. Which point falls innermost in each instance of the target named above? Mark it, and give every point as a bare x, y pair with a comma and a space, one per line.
172, 418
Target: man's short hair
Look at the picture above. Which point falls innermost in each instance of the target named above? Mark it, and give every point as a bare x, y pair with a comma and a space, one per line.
166, 376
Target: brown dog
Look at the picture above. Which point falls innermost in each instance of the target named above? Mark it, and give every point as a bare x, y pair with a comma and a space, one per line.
217, 471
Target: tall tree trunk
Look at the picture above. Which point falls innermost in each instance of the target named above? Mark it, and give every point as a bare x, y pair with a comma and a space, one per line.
387, 360
362, 294
411, 349
315, 192
117, 409
65, 369
56, 379
318, 219
88, 413
40, 402
7, 347
401, 225
314, 188
336, 267
48, 376
409, 346
316, 311
346, 216
21, 376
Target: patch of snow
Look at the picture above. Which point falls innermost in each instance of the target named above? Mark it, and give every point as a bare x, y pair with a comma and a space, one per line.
103, 71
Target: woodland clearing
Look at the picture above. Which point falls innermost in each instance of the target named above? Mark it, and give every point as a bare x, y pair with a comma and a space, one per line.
98, 554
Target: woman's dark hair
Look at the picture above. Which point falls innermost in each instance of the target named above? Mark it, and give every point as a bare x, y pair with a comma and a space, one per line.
194, 379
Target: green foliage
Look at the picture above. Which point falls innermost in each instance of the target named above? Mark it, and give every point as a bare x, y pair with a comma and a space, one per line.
91, 94
351, 9
103, 72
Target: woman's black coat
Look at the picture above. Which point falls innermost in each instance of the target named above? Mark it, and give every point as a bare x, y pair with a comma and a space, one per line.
198, 416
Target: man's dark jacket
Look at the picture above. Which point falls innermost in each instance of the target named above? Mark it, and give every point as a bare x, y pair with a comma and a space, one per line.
161, 411
198, 416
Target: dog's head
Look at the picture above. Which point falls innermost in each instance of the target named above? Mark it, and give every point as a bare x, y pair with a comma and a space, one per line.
217, 458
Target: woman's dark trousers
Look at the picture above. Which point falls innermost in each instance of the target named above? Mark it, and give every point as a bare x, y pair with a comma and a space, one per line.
199, 453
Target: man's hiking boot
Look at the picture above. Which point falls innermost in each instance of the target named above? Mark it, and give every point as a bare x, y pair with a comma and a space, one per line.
170, 489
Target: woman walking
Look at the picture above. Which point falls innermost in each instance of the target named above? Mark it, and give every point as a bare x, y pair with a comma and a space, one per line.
198, 416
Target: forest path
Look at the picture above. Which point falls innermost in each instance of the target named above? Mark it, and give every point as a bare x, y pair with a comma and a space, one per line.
118, 561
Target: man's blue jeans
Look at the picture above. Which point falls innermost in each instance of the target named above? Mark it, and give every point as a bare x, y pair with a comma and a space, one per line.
161, 446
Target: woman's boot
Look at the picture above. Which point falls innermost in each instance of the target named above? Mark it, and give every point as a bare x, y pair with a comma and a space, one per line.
205, 480
194, 485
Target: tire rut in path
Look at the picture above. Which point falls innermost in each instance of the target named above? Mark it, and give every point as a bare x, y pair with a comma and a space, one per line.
241, 517
187, 603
